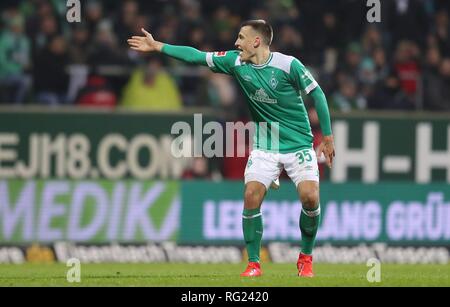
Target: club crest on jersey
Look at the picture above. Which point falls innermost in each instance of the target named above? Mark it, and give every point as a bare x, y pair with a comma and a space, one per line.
273, 82
220, 53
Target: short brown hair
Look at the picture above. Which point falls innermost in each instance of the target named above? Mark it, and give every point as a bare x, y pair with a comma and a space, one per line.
262, 27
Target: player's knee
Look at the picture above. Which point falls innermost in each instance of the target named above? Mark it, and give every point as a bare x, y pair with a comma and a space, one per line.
310, 199
253, 197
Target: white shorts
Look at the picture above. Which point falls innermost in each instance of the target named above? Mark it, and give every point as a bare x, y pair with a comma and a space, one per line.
265, 167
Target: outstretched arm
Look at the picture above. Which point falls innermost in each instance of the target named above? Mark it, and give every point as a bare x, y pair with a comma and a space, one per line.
148, 44
327, 144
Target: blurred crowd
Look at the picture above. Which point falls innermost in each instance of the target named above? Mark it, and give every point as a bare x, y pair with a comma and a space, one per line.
402, 62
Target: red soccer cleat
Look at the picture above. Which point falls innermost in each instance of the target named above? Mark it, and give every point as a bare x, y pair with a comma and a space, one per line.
253, 270
304, 265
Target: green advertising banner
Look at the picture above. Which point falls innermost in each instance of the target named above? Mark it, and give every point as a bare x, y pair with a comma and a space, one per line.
204, 212
80, 145
83, 145
88, 211
372, 147
394, 213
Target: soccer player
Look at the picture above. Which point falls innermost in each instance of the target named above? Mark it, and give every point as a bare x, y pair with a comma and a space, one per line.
271, 82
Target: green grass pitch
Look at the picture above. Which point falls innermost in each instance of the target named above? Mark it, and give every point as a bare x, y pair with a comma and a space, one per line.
221, 275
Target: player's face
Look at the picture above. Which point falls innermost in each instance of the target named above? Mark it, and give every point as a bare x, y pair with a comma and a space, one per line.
246, 42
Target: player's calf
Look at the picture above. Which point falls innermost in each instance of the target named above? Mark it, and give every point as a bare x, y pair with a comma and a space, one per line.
309, 224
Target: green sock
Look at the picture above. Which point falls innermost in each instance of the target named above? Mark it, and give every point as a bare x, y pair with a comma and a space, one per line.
309, 223
252, 226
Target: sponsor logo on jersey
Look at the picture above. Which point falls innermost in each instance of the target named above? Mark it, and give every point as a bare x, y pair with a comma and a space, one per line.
220, 53
247, 78
261, 96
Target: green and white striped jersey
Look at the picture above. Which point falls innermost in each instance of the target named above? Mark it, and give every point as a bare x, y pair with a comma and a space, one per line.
272, 91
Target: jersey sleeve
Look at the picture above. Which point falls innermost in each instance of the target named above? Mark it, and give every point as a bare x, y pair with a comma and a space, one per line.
185, 53
301, 77
223, 61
